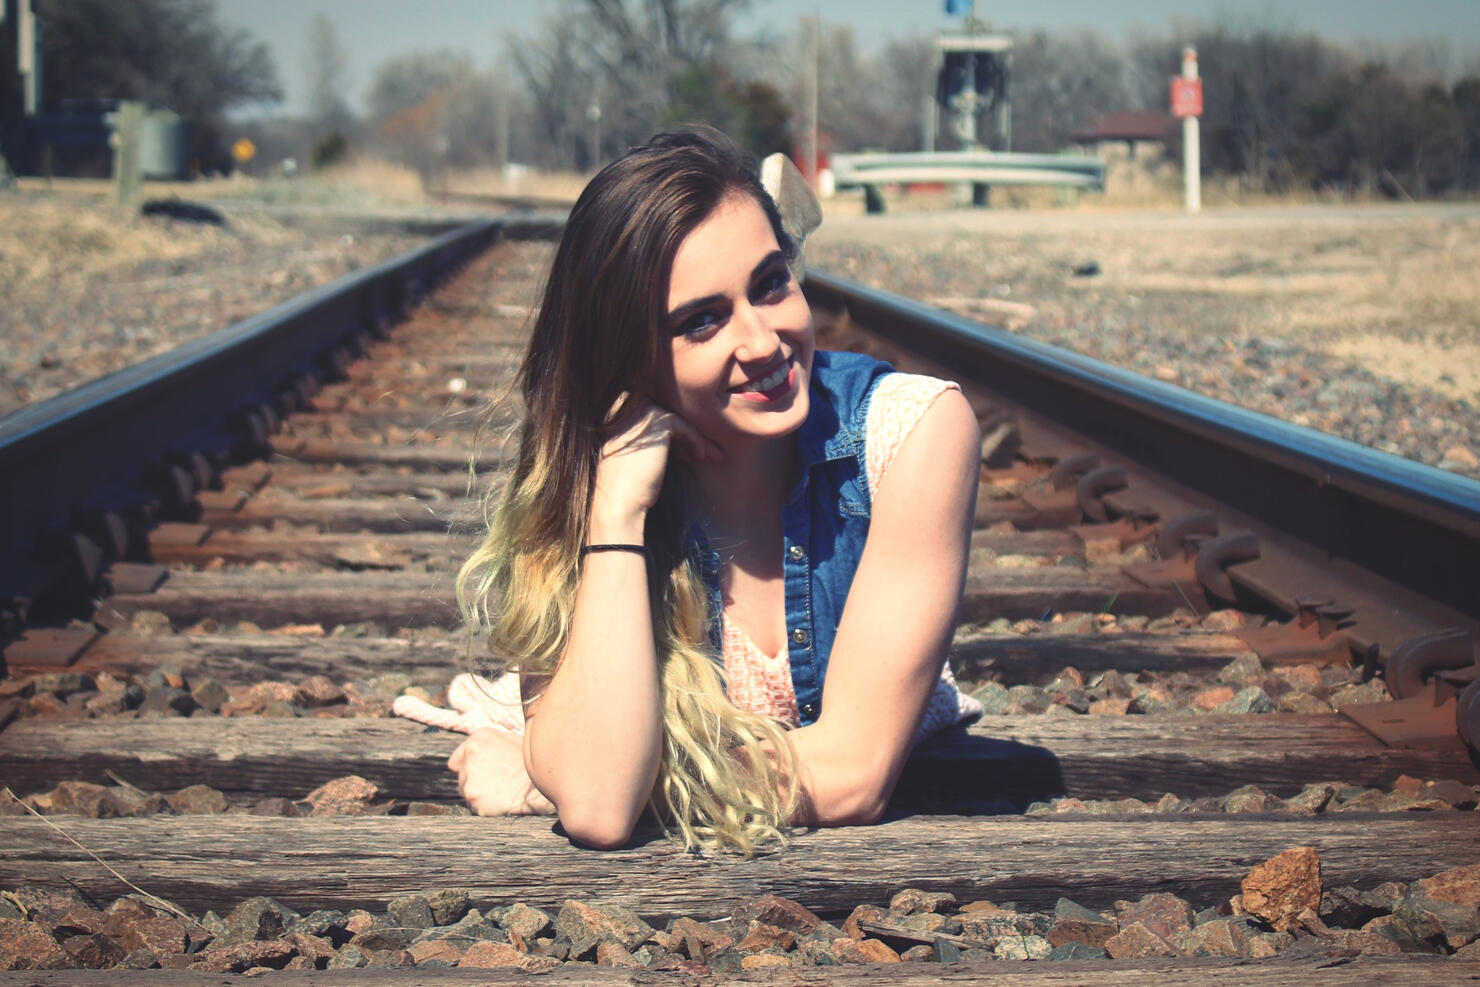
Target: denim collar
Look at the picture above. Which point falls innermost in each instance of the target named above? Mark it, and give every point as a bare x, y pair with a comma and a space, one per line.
823, 437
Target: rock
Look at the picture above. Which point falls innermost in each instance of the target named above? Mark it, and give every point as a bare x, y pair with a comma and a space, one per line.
699, 941
1109, 706
614, 954
1365, 943
586, 925
847, 950
1368, 800
1267, 944
494, 955
1249, 700
1072, 922
347, 796
1461, 886
25, 946
256, 919
525, 924
445, 951
78, 798
390, 959
139, 959
1459, 457
1220, 937
1223, 621
1301, 702
993, 697
197, 800
1252, 798
1457, 794
1135, 941
1348, 695
1349, 907
758, 961
472, 927
348, 957
318, 691
411, 911
166, 700
1164, 915
436, 809
384, 938
1211, 699
1022, 947
64, 684
448, 905
209, 694
1243, 671
322, 924
863, 913
133, 926
1421, 921
775, 910
317, 950
275, 805
273, 954
946, 951
1278, 889
62, 919
1078, 951
913, 901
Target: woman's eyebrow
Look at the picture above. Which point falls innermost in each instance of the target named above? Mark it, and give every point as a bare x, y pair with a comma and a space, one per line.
678, 312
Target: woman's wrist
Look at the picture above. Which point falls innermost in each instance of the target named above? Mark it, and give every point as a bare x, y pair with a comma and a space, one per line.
615, 526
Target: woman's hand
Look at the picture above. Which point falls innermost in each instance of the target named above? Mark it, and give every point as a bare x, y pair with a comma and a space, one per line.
491, 775
634, 459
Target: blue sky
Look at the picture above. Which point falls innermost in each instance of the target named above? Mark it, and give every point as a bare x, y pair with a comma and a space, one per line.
373, 30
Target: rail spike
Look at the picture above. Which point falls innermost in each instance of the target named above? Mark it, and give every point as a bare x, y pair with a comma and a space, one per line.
1215, 555
1066, 471
1413, 662
1093, 485
1171, 537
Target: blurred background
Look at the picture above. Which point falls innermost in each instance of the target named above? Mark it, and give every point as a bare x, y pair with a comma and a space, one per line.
1350, 98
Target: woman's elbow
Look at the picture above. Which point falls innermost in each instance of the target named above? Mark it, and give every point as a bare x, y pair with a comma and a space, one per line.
598, 830
859, 801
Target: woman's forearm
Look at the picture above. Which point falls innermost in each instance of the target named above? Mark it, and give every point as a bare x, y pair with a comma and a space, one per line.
594, 735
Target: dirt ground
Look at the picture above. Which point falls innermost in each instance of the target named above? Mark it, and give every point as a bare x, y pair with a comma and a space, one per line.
1382, 292
1390, 287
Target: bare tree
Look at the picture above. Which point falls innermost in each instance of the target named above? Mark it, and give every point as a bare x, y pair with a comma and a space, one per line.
328, 76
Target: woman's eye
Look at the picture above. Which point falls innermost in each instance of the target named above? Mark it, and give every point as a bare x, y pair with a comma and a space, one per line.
696, 324
774, 283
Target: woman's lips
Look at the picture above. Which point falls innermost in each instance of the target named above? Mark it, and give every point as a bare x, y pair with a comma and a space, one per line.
774, 384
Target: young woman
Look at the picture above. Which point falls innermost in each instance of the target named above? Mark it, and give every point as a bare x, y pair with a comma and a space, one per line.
726, 565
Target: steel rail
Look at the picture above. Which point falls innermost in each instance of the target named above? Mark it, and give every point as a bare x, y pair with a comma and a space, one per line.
1340, 504
78, 470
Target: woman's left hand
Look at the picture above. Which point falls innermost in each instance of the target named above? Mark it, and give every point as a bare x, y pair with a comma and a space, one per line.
491, 775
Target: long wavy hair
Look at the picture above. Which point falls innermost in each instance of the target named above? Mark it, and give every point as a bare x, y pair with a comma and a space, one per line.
598, 334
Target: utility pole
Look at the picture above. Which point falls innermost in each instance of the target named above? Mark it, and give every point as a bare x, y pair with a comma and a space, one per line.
814, 83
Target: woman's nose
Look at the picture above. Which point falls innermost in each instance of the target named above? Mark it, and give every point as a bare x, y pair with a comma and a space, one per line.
757, 338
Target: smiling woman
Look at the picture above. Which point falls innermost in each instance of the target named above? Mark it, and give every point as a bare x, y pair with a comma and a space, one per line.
725, 566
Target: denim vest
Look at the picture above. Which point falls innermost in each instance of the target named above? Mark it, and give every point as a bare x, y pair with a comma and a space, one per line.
825, 520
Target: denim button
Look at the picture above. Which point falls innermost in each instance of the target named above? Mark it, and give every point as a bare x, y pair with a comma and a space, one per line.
809, 709
799, 635
797, 552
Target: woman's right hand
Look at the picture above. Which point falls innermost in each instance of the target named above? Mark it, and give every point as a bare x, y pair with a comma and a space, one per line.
634, 458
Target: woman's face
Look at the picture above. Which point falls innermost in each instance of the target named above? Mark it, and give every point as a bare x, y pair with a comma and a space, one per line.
740, 330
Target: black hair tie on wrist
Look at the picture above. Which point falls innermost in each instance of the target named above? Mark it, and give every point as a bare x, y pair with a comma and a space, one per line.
588, 549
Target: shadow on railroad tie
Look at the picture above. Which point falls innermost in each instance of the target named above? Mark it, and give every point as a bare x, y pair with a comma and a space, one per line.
957, 773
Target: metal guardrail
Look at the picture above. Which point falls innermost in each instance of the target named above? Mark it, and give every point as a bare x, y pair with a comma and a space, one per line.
981, 167
82, 473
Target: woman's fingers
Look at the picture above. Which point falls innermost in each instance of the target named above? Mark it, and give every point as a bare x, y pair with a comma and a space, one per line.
693, 445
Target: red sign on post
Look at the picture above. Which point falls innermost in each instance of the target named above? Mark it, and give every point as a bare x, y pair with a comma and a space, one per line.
1186, 97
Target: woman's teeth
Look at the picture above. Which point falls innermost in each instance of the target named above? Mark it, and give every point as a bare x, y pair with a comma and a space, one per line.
771, 381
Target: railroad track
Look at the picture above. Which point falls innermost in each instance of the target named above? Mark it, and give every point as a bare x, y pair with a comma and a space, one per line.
282, 569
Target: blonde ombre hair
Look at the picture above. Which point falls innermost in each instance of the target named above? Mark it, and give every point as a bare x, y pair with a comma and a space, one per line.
726, 777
